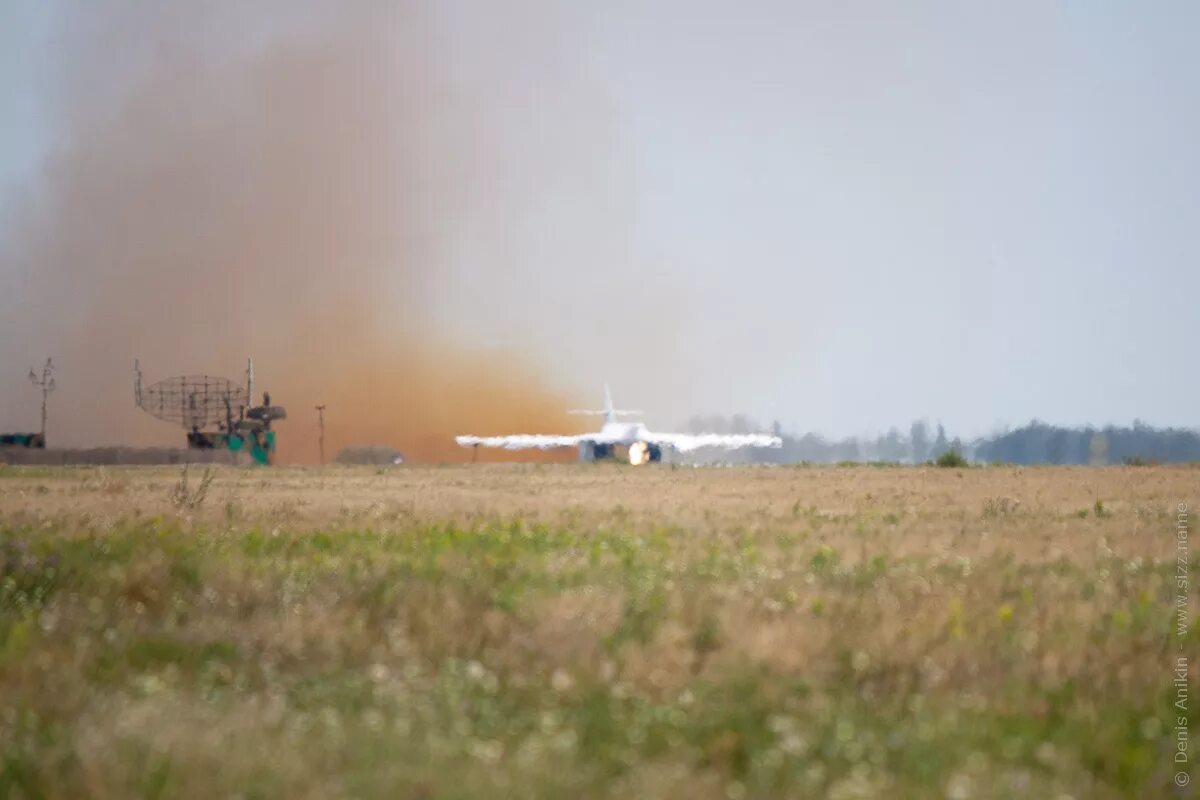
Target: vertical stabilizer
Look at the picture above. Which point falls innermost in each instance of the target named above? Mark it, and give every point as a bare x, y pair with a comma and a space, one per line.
610, 415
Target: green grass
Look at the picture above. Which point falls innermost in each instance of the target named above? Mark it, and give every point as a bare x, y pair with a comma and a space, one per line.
166, 658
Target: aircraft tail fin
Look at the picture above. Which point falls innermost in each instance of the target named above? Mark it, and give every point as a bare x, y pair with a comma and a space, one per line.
609, 413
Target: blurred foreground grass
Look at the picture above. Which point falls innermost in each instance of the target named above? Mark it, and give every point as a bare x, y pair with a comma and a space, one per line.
868, 653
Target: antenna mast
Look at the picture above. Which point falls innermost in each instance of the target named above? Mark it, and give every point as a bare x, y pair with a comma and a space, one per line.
137, 383
321, 434
46, 384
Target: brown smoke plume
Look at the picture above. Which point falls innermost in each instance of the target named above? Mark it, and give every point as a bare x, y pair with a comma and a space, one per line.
287, 187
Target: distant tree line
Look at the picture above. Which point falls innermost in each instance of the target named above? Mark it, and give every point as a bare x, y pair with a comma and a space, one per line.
1038, 443
1035, 443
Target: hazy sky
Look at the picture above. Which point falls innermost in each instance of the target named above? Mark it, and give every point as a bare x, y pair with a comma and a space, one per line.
839, 215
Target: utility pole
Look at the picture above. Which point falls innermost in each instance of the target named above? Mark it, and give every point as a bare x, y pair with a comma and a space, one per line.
321, 426
46, 384
250, 381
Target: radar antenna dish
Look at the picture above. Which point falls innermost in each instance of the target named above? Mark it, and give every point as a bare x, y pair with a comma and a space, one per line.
194, 401
215, 412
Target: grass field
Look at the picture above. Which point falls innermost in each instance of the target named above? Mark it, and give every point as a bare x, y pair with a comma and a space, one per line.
590, 631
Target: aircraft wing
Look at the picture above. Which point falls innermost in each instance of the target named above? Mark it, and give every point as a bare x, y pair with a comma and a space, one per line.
683, 442
523, 441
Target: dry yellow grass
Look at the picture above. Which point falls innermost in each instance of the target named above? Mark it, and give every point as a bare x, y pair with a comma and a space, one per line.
599, 630
707, 498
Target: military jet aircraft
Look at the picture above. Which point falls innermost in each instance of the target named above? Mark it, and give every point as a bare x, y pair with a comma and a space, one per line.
642, 445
